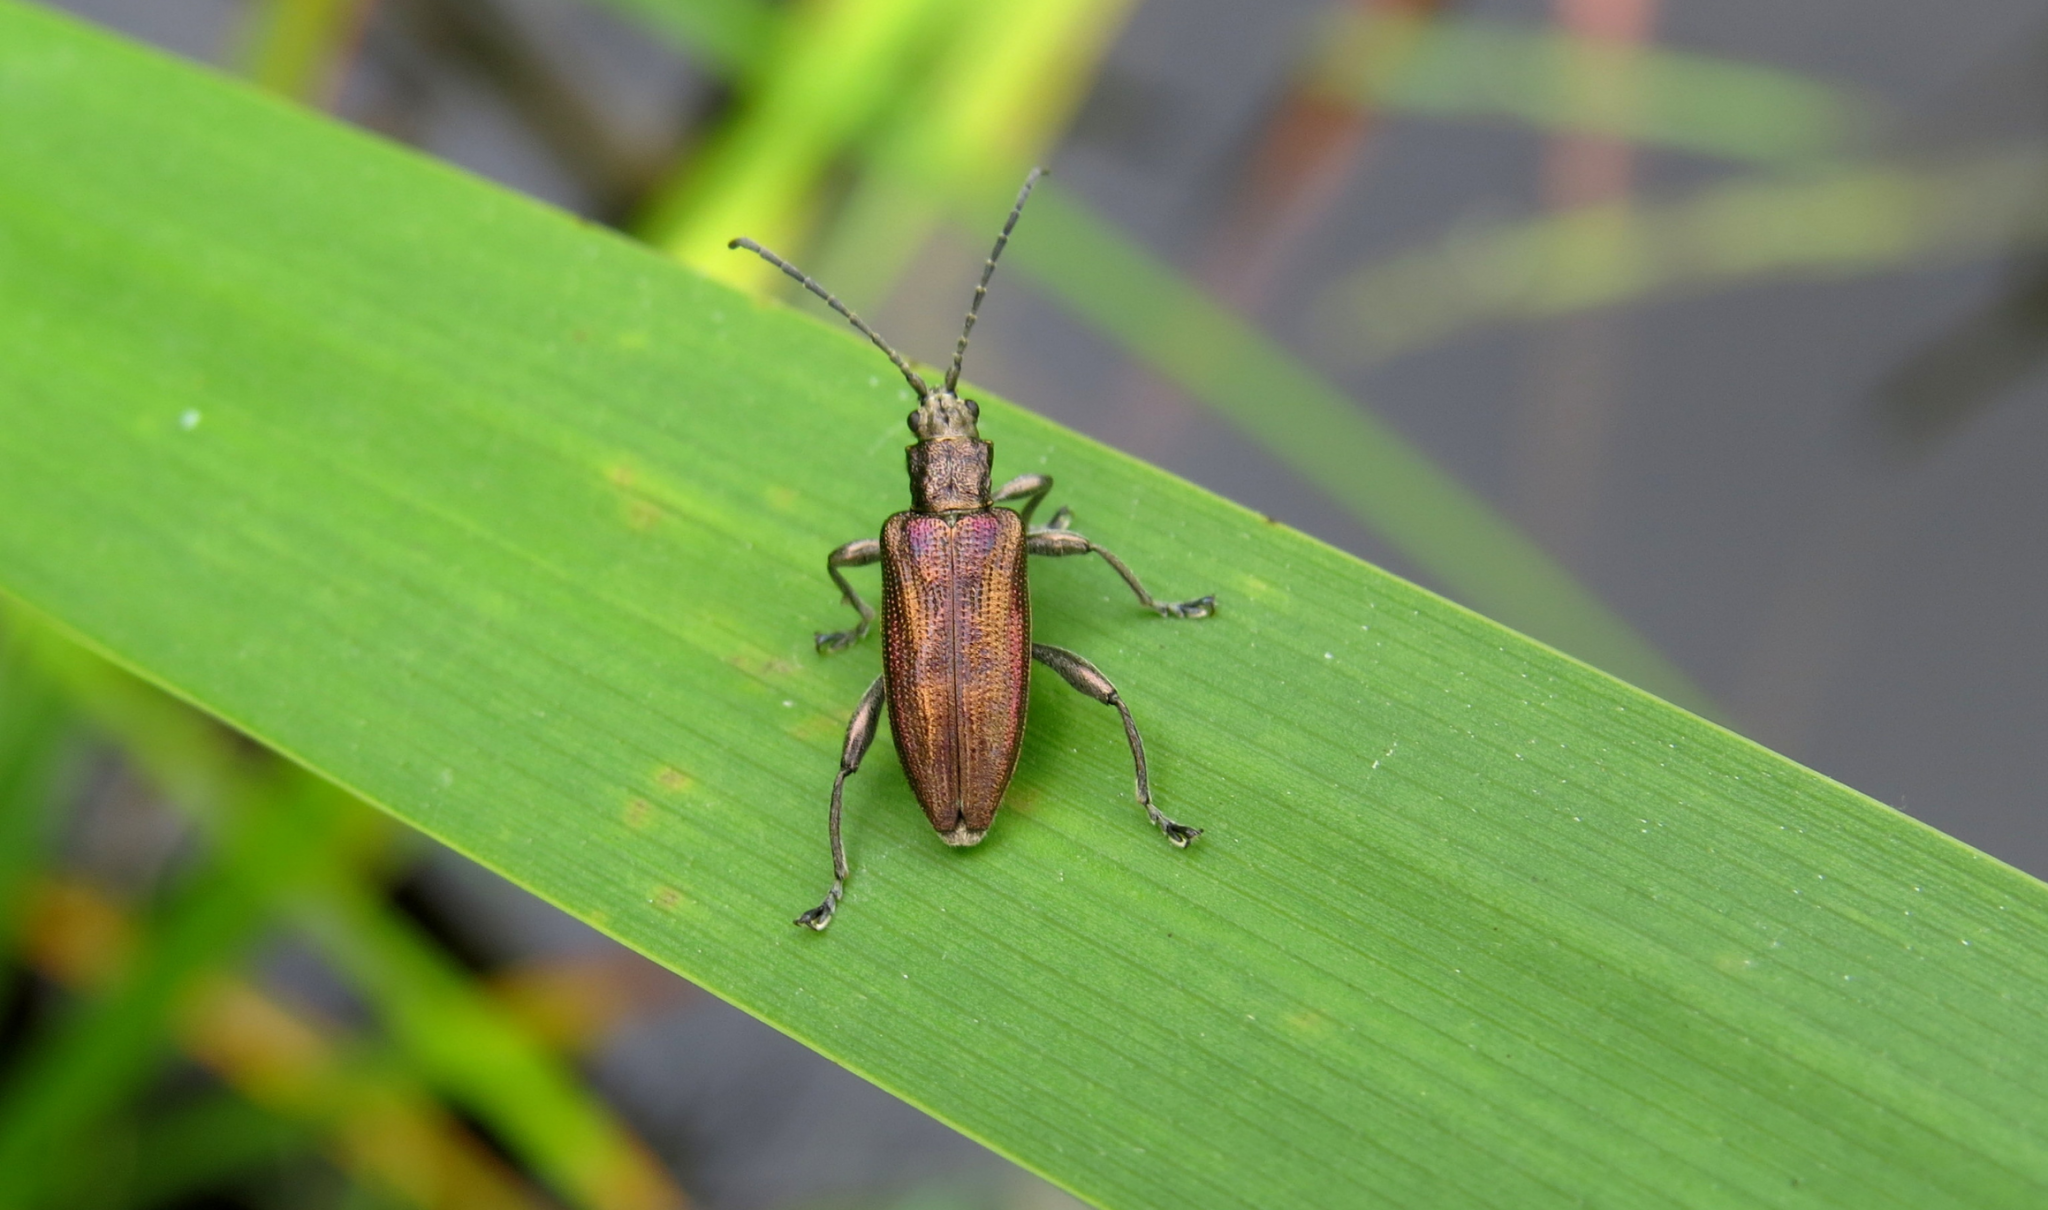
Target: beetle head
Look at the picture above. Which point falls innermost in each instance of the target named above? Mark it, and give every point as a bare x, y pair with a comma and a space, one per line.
941, 414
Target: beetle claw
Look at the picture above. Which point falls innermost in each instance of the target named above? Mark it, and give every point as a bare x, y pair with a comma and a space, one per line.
838, 640
1180, 834
1201, 607
817, 918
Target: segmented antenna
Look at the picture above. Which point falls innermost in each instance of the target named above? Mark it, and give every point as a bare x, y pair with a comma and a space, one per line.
987, 271
917, 384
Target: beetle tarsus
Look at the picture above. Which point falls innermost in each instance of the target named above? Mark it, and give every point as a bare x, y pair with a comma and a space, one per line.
818, 918
1179, 835
1200, 607
839, 640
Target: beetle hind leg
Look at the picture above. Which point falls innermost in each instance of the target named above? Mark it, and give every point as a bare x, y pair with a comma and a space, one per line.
1088, 679
860, 732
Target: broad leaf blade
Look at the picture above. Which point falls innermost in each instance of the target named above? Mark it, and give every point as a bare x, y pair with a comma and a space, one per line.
518, 531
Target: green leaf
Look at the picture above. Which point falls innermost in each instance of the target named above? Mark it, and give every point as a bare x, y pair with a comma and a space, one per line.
517, 530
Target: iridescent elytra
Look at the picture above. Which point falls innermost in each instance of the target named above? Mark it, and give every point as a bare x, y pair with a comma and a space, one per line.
956, 611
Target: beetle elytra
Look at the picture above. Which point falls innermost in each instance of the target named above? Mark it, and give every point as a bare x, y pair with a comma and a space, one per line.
956, 611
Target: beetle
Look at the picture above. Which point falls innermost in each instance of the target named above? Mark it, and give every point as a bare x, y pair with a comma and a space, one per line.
956, 610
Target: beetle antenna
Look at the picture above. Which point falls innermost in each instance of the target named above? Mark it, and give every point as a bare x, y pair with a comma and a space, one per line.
987, 271
916, 383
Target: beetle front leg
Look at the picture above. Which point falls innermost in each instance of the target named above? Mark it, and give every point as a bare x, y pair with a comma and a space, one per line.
1028, 488
1057, 542
853, 554
1088, 679
860, 732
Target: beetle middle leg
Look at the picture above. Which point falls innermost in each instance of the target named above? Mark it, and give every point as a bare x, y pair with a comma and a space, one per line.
1029, 488
1057, 541
1088, 679
853, 554
860, 732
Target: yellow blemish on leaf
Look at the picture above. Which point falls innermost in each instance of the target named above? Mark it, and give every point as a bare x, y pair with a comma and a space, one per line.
620, 475
643, 514
1307, 1021
638, 812
818, 726
763, 665
781, 499
667, 898
674, 780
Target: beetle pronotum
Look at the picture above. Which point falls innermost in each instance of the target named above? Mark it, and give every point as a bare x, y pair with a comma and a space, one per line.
956, 610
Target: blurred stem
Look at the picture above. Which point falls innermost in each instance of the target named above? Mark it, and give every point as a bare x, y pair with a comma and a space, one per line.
993, 105
1558, 81
840, 65
1867, 217
295, 47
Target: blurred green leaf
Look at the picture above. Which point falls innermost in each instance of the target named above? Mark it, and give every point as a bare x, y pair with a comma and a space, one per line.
35, 728
101, 1055
467, 1047
208, 1143
1475, 68
296, 841
1856, 218
516, 530
731, 35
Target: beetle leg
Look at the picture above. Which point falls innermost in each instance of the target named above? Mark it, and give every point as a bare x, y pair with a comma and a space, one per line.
860, 732
1088, 679
1060, 542
853, 554
1028, 488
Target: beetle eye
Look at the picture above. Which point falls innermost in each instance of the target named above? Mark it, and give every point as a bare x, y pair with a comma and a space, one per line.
911, 421
973, 408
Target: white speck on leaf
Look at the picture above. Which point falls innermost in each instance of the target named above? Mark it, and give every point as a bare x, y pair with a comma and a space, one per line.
188, 419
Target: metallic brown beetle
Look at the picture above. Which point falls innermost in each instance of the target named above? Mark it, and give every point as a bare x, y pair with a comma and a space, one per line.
956, 612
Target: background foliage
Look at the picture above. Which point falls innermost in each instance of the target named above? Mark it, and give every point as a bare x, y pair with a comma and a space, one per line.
1459, 933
